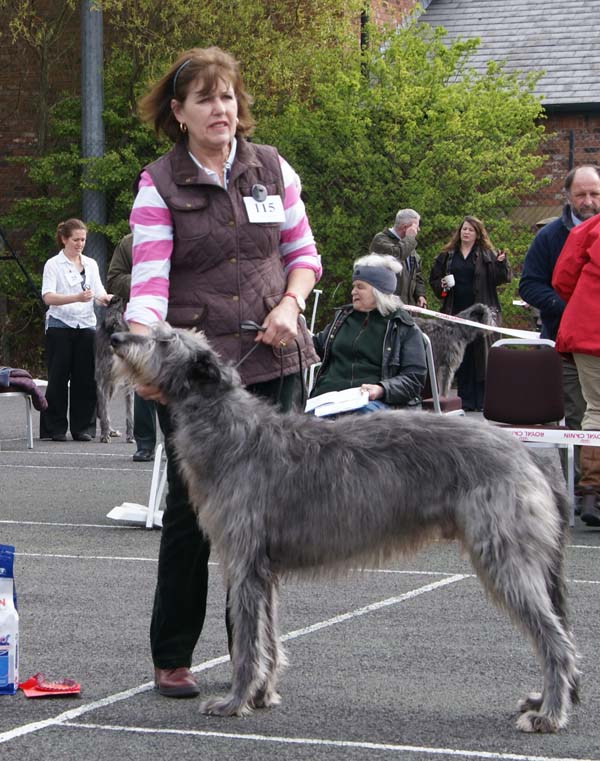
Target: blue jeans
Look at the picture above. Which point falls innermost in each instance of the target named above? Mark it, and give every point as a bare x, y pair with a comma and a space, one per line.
374, 406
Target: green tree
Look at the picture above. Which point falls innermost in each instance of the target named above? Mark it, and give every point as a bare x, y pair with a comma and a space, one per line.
421, 130
285, 47
405, 122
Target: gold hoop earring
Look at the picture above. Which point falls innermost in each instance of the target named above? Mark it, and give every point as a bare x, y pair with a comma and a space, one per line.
183, 127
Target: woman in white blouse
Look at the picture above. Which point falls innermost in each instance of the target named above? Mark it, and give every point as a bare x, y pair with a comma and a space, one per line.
70, 285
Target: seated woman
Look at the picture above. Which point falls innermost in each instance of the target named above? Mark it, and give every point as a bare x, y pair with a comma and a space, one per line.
373, 343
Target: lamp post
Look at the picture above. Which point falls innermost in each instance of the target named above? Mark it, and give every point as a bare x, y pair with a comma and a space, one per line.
92, 127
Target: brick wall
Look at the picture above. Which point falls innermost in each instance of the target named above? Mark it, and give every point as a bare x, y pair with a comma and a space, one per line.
19, 104
389, 11
574, 139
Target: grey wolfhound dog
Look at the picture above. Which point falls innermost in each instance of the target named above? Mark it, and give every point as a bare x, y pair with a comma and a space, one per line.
450, 339
285, 494
107, 381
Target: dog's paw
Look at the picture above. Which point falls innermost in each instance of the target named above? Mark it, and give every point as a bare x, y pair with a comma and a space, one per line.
531, 703
532, 721
105, 438
114, 433
227, 706
266, 699
130, 439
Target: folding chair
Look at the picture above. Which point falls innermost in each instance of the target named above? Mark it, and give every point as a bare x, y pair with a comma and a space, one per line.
432, 401
28, 409
28, 413
524, 389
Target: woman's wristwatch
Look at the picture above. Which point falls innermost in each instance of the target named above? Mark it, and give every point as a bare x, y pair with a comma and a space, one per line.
301, 304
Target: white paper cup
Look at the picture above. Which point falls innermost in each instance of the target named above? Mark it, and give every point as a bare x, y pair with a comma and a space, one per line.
448, 281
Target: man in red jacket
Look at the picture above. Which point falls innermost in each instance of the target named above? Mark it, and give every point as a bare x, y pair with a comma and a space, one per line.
576, 279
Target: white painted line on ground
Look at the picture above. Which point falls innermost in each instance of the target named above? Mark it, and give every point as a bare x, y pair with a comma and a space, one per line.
373, 607
68, 525
64, 452
84, 557
352, 571
74, 713
311, 741
74, 467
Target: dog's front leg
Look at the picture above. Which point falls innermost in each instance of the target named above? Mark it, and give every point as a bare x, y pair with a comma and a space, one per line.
129, 416
103, 415
275, 658
248, 598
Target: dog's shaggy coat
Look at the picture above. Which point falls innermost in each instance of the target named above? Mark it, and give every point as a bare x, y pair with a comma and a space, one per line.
450, 339
106, 380
279, 494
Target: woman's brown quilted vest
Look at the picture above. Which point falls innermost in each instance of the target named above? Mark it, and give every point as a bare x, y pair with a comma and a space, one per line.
224, 269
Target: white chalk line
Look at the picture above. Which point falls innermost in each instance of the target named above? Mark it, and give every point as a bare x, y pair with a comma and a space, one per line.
58, 524
74, 467
74, 713
353, 571
66, 452
311, 741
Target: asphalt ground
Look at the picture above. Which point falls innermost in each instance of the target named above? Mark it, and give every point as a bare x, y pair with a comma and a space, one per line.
405, 662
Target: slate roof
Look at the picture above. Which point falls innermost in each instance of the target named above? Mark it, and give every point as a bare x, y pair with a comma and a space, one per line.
560, 37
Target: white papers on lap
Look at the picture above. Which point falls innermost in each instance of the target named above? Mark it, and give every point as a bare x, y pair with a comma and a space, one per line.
337, 401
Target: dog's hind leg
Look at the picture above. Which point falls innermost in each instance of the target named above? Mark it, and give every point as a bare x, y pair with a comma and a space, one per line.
129, 416
548, 712
524, 589
248, 599
275, 659
444, 380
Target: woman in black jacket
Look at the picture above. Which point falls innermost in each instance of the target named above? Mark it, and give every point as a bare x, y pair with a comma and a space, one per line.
373, 343
468, 272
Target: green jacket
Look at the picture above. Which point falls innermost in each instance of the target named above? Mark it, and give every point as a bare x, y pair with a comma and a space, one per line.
403, 362
118, 279
410, 281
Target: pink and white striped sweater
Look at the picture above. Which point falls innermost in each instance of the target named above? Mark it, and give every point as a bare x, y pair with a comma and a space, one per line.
152, 228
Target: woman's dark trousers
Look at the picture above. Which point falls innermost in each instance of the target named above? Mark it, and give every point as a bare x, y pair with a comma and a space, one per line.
144, 423
469, 388
180, 597
70, 357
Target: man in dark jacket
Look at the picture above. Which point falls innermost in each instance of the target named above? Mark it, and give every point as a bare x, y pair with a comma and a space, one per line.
400, 241
582, 188
144, 410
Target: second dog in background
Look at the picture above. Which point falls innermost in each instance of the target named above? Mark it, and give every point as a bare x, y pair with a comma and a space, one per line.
106, 380
450, 339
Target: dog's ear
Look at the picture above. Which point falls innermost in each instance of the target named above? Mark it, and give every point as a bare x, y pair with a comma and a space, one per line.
205, 372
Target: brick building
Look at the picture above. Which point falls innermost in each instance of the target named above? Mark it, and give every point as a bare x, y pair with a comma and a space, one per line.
560, 39
25, 82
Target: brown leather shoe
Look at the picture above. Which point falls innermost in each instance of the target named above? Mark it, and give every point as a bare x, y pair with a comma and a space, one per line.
176, 683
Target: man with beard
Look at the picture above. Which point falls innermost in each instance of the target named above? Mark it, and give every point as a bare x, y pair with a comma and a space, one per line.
582, 189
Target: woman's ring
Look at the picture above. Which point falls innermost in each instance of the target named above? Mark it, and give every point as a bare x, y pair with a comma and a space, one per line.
282, 343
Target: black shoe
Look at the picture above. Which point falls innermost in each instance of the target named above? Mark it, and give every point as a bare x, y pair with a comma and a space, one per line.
59, 437
82, 437
143, 455
590, 515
